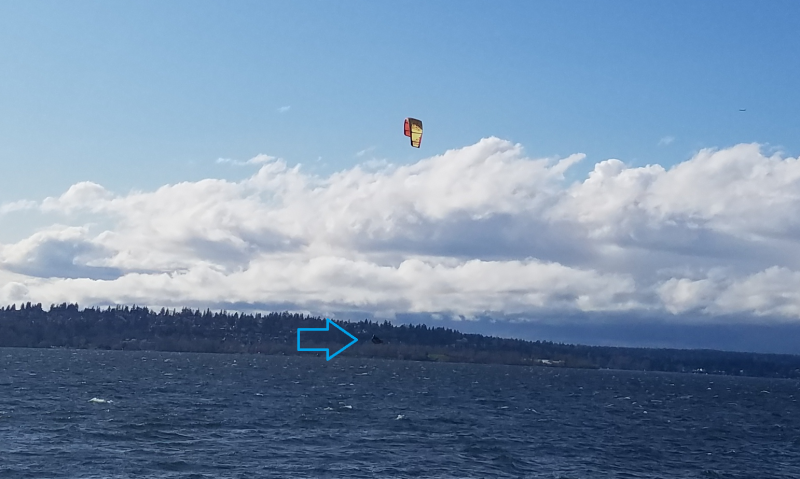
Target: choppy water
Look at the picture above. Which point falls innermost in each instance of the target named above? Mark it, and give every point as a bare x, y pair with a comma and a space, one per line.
113, 414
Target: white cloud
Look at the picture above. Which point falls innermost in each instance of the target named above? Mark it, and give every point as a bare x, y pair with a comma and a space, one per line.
256, 160
84, 195
15, 206
365, 151
666, 140
260, 159
284, 109
478, 230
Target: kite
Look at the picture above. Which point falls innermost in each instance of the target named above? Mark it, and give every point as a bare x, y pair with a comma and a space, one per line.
413, 129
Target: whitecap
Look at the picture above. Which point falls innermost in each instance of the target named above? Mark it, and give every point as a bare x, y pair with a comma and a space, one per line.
100, 401
399, 417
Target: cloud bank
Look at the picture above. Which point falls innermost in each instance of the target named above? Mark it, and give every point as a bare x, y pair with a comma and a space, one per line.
474, 232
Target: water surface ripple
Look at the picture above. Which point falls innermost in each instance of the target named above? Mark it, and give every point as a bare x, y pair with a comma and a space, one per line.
118, 414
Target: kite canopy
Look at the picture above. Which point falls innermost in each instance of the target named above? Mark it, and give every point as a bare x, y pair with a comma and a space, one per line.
413, 129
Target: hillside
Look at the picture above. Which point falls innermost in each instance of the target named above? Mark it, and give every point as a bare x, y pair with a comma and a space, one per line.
140, 328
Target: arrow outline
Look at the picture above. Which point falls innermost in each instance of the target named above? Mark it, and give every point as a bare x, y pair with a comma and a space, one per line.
327, 327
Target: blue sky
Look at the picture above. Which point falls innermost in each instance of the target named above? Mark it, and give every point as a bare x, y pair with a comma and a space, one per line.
639, 189
134, 95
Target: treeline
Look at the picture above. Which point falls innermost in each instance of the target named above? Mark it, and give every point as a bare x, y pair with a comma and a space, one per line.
188, 330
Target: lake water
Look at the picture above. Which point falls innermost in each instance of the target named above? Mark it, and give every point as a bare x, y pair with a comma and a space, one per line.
116, 414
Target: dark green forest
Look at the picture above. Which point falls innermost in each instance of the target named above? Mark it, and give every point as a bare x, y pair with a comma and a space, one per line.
188, 330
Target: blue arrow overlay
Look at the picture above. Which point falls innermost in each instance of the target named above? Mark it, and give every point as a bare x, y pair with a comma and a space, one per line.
326, 328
